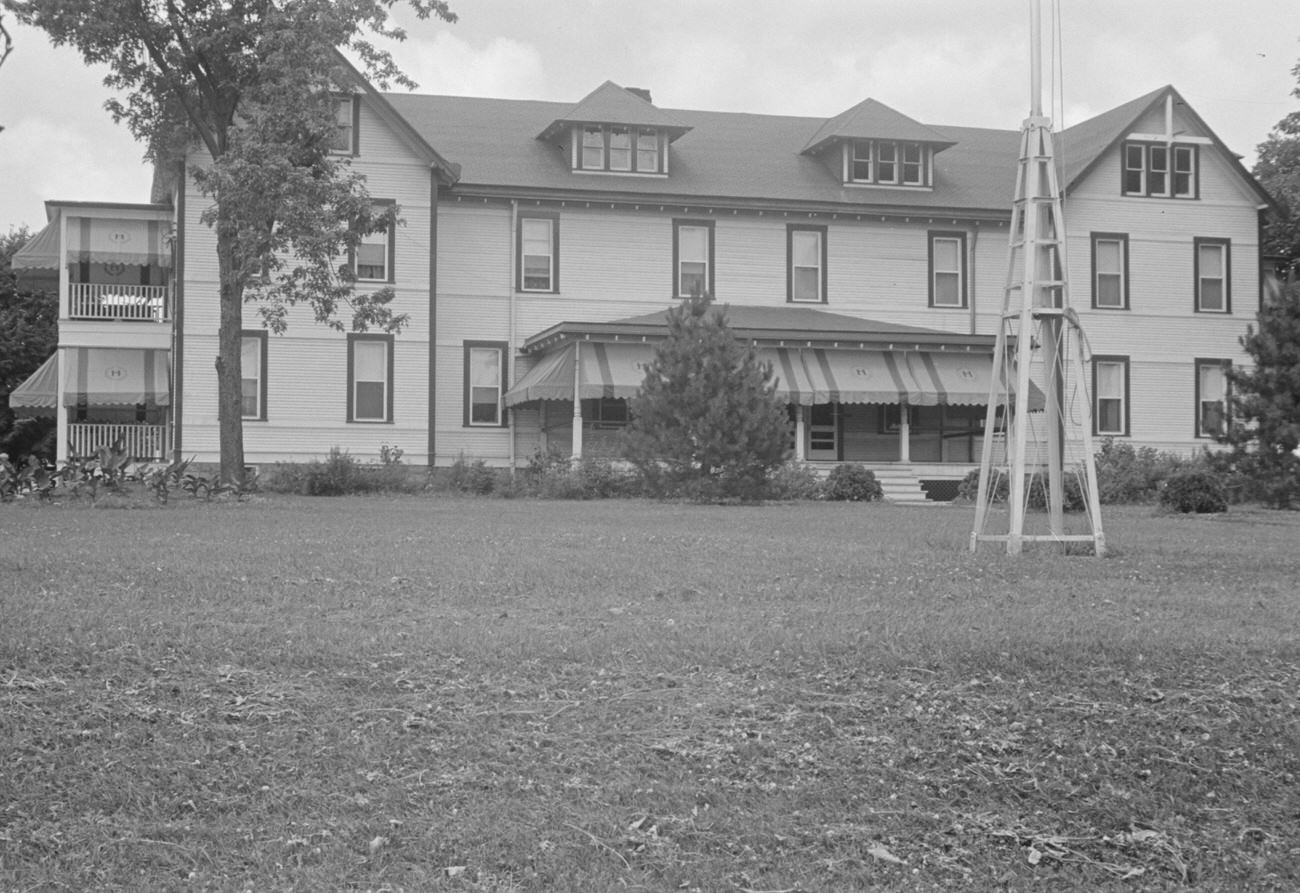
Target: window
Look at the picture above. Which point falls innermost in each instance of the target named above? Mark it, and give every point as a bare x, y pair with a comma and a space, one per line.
692, 257
947, 269
370, 378
539, 253
620, 149
605, 412
806, 263
1212, 266
347, 112
372, 259
1211, 397
1110, 271
1159, 170
252, 375
485, 373
888, 163
1110, 395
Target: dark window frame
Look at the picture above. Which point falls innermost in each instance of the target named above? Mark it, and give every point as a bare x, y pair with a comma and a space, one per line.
554, 218
390, 238
708, 226
822, 231
1198, 243
259, 335
354, 147
1197, 364
1123, 361
467, 401
1170, 171
931, 237
1122, 238
353, 339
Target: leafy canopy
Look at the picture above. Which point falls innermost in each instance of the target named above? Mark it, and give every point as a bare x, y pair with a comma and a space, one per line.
29, 333
706, 415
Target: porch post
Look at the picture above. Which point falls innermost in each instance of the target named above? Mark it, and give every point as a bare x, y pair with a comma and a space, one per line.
61, 411
800, 433
577, 400
904, 433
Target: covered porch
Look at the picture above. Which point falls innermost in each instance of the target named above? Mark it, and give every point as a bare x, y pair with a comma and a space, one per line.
857, 390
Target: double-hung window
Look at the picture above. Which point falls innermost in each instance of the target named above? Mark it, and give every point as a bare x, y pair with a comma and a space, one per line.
887, 163
913, 165
1159, 170
647, 150
947, 269
1110, 271
373, 258
806, 264
370, 378
619, 149
539, 253
347, 113
485, 375
692, 257
593, 148
1212, 264
1211, 397
252, 374
1110, 396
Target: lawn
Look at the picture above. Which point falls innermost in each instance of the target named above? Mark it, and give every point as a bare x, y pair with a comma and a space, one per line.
416, 694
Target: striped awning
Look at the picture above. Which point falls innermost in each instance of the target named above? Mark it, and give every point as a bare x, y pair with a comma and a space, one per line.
38, 395
851, 376
608, 370
100, 376
41, 251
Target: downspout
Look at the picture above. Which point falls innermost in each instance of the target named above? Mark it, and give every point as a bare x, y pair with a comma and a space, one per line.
510, 344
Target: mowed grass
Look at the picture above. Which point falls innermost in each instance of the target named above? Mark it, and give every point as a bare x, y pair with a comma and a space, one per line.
455, 694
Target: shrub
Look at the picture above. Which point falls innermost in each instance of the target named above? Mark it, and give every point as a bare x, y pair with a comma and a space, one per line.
474, 478
1194, 490
792, 480
1073, 499
338, 475
968, 489
852, 483
1132, 474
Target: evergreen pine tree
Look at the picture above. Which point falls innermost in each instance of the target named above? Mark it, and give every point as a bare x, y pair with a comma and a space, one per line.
706, 421
1266, 399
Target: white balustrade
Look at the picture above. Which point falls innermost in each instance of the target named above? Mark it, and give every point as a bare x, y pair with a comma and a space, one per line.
141, 441
143, 303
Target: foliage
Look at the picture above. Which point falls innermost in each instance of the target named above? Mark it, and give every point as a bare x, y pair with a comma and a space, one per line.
706, 422
852, 483
794, 480
1126, 473
253, 84
1266, 400
1072, 492
29, 333
1196, 490
1278, 170
473, 478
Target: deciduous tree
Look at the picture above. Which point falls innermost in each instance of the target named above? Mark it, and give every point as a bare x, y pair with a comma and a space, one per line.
706, 416
29, 333
252, 84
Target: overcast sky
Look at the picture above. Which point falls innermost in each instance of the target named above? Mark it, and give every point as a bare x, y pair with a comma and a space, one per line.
958, 62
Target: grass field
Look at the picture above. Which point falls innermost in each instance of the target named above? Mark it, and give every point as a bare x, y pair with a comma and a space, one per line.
489, 695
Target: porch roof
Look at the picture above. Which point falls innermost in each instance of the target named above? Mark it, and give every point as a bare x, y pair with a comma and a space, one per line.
772, 326
100, 376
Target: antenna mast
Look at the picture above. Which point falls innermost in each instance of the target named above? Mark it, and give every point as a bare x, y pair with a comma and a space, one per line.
1037, 433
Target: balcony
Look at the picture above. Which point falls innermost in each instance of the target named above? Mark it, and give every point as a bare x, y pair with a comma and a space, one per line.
142, 442
135, 303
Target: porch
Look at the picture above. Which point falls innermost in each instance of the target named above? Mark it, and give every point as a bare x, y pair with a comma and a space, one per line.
140, 441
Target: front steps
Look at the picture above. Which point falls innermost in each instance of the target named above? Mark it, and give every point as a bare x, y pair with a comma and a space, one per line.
901, 485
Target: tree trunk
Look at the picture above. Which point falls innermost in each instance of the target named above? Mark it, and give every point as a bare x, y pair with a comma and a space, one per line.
230, 420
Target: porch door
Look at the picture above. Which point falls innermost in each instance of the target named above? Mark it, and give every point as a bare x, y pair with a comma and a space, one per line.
824, 432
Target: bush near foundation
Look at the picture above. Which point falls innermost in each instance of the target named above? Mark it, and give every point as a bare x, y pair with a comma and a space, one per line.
852, 483
1196, 490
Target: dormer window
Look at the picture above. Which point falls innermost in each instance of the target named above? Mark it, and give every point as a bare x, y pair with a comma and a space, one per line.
621, 150
1160, 170
888, 163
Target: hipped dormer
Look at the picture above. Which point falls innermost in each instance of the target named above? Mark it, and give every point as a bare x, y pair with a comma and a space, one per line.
615, 130
873, 145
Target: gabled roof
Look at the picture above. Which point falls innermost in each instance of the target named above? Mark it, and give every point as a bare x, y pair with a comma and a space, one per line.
611, 104
870, 119
790, 325
1086, 143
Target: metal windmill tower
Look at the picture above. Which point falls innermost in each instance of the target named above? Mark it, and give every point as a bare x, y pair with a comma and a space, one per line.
1038, 331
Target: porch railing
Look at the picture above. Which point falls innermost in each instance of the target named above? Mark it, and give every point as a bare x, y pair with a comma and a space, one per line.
142, 441
141, 303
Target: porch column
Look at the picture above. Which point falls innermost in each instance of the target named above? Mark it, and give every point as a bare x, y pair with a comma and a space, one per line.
542, 438
61, 411
800, 433
904, 433
577, 400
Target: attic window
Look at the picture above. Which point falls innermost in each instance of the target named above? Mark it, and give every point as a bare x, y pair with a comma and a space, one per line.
620, 149
887, 163
1160, 170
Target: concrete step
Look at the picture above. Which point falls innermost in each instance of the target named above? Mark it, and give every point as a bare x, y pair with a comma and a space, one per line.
900, 485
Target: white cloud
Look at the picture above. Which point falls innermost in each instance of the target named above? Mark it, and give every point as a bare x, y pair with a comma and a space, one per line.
448, 65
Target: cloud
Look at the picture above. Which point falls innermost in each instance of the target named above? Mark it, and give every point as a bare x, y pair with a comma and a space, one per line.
448, 65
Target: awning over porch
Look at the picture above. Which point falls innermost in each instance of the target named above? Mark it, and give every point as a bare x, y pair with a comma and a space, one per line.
41, 252
100, 376
958, 379
850, 376
608, 370
37, 397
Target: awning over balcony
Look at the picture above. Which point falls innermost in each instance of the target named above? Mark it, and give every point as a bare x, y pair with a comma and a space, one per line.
41, 251
109, 241
100, 376
37, 397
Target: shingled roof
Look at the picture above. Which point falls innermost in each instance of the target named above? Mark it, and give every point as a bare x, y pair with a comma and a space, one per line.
611, 104
870, 119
